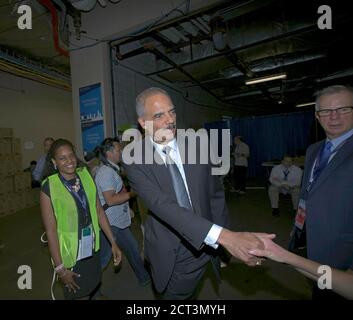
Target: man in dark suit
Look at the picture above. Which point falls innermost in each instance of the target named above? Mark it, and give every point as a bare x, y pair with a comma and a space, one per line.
187, 209
327, 188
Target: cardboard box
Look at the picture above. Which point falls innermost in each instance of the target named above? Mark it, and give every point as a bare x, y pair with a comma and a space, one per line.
17, 163
6, 166
22, 181
6, 185
16, 146
4, 206
5, 146
11, 203
19, 202
27, 180
31, 198
6, 132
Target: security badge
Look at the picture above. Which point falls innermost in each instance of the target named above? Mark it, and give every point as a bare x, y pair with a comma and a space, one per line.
301, 214
86, 243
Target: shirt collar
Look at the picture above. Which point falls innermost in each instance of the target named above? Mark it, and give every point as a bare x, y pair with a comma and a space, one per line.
337, 141
114, 165
172, 144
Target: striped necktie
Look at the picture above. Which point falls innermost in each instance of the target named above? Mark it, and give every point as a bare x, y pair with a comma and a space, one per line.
178, 182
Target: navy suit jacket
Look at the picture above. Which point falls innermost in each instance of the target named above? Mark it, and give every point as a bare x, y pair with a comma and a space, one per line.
329, 208
168, 223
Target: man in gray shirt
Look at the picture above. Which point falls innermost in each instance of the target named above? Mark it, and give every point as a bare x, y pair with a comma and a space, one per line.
115, 200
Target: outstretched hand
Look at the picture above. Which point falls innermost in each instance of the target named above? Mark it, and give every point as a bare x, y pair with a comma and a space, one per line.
271, 250
239, 244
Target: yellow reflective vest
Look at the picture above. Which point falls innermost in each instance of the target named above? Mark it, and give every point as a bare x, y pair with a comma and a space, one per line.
65, 211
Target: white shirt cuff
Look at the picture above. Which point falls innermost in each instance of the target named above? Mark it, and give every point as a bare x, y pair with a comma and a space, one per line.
212, 236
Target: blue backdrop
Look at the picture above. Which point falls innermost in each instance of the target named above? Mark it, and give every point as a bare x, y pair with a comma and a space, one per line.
271, 137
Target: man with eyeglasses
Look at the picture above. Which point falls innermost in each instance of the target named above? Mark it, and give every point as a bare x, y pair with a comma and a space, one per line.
326, 199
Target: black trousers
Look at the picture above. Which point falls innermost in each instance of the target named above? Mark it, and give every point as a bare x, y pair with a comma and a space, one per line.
187, 274
239, 176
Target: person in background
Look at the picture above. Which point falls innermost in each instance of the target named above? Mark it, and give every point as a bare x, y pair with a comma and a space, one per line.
284, 178
92, 161
38, 171
72, 216
115, 200
32, 166
241, 155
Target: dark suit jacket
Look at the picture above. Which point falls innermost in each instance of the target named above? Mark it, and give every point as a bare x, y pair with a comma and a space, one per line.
329, 207
168, 223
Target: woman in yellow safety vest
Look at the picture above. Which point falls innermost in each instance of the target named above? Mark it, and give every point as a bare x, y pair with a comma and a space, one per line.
72, 215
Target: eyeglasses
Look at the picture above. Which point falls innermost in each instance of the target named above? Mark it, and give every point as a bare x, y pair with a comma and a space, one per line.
327, 112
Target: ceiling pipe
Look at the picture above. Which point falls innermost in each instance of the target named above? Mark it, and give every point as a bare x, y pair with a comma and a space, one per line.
63, 13
172, 63
54, 20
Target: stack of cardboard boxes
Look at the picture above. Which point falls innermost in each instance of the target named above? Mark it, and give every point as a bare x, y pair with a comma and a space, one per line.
15, 185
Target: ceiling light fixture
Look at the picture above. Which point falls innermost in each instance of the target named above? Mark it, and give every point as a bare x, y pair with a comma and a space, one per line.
305, 104
267, 78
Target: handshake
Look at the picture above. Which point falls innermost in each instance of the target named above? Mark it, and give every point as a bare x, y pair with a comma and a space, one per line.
240, 244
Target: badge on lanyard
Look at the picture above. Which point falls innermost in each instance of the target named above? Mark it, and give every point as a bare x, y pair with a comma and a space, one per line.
86, 243
301, 214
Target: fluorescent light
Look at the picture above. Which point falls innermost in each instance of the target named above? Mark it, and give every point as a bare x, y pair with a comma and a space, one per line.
305, 104
267, 78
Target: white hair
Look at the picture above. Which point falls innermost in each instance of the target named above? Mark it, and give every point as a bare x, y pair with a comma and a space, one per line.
144, 95
331, 90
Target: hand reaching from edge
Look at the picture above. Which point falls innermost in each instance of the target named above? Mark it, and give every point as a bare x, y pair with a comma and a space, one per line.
272, 250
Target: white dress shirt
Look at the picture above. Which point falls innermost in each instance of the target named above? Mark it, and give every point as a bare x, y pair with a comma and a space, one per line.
278, 176
241, 154
213, 234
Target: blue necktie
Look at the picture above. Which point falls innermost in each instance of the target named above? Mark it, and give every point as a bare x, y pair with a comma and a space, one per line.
178, 182
321, 163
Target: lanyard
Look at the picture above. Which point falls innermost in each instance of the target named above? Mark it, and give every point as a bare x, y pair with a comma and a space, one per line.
286, 173
80, 195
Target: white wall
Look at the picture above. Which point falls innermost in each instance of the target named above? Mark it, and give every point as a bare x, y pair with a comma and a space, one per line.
34, 111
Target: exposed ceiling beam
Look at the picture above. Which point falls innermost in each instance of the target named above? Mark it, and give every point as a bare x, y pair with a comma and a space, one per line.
174, 65
227, 52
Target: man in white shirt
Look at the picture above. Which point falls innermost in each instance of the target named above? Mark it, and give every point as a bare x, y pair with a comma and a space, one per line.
285, 178
241, 155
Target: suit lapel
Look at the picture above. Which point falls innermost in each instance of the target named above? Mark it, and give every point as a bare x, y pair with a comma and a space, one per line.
160, 171
310, 162
336, 161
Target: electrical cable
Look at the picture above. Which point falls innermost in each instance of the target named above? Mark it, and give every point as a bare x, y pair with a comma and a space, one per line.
134, 34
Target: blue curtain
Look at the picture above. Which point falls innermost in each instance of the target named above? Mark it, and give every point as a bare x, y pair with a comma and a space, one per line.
271, 137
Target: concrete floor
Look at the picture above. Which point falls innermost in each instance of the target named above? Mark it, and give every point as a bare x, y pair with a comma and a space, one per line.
20, 234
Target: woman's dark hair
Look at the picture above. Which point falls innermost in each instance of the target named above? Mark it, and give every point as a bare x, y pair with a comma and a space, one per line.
49, 167
105, 146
